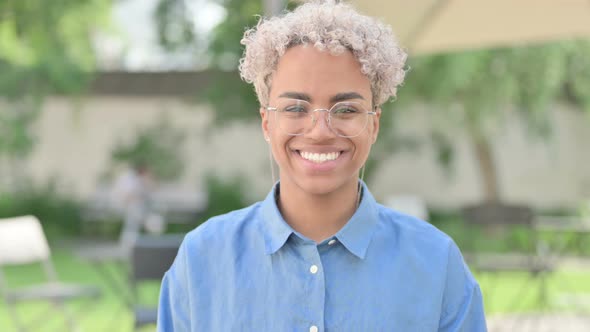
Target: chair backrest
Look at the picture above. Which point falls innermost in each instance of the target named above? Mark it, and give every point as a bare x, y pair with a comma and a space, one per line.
22, 241
499, 214
500, 226
152, 256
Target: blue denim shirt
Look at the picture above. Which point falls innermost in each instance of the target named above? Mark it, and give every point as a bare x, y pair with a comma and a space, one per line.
248, 270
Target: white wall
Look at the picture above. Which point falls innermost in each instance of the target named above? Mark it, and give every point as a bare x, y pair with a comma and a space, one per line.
75, 142
545, 173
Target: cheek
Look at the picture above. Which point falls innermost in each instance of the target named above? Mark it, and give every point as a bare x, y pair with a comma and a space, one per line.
278, 144
368, 145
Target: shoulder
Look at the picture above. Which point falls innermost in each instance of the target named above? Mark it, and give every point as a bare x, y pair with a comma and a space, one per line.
416, 241
225, 227
231, 237
409, 228
424, 247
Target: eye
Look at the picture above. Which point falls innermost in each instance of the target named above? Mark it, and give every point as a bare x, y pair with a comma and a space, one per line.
345, 109
295, 109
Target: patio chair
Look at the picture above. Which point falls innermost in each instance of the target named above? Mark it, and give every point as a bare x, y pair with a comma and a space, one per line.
151, 257
110, 259
511, 230
23, 242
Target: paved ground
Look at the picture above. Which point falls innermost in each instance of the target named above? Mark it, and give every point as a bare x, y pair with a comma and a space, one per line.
539, 323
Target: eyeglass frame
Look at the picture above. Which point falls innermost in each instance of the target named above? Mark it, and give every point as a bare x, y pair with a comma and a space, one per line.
328, 121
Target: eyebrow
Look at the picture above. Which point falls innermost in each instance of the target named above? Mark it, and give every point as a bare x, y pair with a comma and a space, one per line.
296, 95
345, 96
336, 98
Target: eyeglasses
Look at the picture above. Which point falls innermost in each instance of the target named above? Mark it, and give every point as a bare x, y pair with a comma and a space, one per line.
346, 119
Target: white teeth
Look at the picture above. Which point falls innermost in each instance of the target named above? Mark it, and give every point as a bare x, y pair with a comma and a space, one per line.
319, 157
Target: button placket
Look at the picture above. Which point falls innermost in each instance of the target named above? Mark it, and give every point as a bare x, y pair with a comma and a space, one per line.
317, 291
315, 288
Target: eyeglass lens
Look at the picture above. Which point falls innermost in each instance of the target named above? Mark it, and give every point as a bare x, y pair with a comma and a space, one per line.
346, 119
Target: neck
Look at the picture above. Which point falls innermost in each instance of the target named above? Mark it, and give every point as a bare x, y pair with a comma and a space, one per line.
317, 216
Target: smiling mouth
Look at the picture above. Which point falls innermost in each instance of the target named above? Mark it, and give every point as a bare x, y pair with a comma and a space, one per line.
319, 158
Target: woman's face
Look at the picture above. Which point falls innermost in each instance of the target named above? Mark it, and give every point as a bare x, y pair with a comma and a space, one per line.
319, 161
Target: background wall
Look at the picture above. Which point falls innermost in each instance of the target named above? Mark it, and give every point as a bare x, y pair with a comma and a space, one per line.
75, 140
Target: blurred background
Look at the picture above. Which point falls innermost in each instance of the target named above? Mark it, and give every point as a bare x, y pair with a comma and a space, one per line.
109, 107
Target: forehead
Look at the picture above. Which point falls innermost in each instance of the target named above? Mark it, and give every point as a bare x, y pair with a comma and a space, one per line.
321, 75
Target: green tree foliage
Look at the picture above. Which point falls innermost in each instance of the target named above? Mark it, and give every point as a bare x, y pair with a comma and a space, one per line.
232, 98
466, 91
59, 212
224, 195
469, 91
482, 81
15, 136
225, 50
158, 147
45, 46
174, 26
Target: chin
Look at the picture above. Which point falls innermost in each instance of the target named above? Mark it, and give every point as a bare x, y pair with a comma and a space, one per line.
323, 185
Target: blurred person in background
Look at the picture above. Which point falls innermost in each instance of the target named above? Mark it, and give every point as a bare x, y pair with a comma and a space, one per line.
132, 187
132, 195
319, 253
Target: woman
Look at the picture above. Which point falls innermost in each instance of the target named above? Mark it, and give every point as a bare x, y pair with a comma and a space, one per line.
319, 253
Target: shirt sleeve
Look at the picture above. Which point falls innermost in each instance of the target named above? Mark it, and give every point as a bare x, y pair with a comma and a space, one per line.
463, 309
173, 307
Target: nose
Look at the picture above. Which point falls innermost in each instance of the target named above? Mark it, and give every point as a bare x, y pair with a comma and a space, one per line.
319, 127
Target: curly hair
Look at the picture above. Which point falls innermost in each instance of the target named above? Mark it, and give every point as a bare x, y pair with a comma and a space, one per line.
326, 25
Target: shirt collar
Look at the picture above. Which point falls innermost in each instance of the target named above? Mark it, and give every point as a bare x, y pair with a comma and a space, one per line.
355, 236
275, 229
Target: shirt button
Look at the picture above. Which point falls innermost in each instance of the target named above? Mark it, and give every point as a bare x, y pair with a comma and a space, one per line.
314, 269
331, 242
313, 328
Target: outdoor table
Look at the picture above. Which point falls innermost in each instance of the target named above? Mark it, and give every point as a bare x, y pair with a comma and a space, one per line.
110, 261
151, 257
102, 257
561, 227
163, 241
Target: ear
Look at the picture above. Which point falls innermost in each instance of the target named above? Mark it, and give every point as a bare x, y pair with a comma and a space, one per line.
264, 123
376, 120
